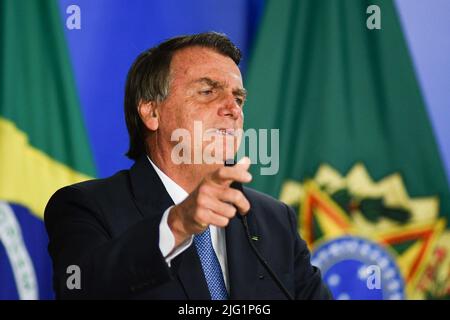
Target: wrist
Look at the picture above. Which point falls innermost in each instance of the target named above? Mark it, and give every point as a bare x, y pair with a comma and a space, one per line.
176, 225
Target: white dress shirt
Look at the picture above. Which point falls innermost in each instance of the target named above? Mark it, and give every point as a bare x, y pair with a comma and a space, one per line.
167, 239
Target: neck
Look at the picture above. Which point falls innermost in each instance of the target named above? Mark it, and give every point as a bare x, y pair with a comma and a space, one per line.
187, 176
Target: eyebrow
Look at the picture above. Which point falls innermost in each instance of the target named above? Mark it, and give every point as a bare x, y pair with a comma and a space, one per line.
216, 84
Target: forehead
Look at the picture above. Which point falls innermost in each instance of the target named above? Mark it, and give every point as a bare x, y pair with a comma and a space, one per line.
193, 63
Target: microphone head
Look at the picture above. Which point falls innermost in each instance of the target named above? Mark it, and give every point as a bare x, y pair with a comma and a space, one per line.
230, 162
235, 185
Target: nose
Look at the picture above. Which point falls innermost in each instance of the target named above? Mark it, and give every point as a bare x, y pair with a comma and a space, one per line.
230, 108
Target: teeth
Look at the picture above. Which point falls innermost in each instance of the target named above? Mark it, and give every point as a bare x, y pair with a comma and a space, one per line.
224, 132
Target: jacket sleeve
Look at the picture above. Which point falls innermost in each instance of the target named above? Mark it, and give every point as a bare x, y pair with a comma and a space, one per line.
308, 279
108, 267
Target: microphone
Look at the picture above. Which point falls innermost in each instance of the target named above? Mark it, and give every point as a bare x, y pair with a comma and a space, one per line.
238, 186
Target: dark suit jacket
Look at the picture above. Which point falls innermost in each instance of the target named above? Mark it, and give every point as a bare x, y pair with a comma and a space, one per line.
110, 229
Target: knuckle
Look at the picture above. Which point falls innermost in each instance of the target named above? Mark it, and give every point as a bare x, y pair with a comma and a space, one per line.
221, 172
225, 222
237, 196
232, 212
201, 201
203, 189
201, 216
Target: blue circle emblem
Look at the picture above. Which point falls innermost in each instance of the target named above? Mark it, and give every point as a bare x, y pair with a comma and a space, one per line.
359, 269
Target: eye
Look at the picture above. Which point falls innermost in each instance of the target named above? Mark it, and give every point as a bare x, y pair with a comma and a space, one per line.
239, 101
206, 92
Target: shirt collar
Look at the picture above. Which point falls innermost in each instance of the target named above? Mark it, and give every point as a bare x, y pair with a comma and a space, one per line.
177, 193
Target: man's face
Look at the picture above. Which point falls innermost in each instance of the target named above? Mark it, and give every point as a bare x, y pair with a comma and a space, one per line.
205, 86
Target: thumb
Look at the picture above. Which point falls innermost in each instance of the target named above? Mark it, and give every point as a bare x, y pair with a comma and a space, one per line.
244, 163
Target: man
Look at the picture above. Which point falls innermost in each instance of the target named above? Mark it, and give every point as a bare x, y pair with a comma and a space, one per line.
171, 229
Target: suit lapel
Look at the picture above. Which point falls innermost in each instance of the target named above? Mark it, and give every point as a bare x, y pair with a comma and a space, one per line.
243, 265
149, 192
152, 199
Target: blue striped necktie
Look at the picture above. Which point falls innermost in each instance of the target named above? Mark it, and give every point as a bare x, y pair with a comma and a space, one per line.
210, 265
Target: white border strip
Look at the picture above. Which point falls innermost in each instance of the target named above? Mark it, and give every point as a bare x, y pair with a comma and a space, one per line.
22, 266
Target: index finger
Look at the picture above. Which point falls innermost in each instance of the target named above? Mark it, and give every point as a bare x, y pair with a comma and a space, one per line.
239, 173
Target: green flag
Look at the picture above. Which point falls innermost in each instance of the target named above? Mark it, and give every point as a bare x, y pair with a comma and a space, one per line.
357, 153
43, 142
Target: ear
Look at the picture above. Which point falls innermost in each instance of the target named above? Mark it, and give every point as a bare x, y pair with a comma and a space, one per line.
149, 115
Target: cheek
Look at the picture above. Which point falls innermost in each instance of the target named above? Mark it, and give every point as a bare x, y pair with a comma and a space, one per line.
204, 114
179, 116
241, 119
